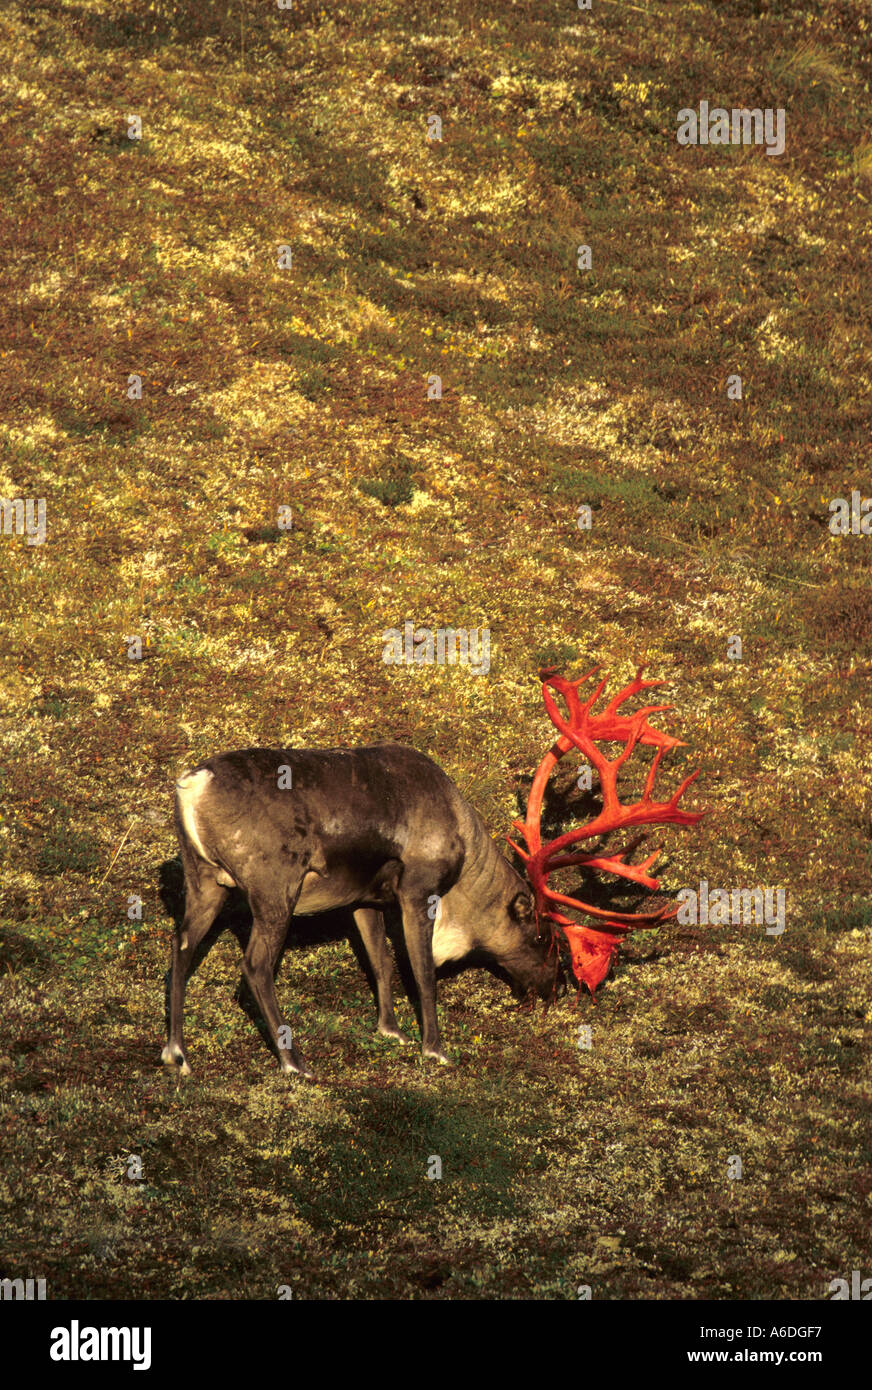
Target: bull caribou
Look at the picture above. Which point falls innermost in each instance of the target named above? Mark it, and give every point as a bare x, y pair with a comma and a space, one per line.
306, 830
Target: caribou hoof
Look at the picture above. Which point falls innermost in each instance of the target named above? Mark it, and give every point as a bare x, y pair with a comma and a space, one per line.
298, 1068
437, 1056
173, 1055
392, 1031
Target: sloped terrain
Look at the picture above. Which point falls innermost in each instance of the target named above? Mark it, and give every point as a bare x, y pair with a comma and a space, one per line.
307, 387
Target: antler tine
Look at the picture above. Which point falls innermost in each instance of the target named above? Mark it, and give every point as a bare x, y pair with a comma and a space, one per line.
633, 688
652, 774
634, 733
546, 673
576, 710
694, 816
568, 860
591, 701
611, 864
613, 921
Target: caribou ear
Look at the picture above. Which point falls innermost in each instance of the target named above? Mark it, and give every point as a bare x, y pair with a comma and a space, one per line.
521, 908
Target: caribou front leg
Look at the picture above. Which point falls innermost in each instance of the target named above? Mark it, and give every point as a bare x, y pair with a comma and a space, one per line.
414, 896
371, 925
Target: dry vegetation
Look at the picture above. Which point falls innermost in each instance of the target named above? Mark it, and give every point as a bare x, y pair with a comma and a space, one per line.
307, 387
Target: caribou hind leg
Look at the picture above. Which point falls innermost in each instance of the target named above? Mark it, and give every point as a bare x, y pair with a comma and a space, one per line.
204, 899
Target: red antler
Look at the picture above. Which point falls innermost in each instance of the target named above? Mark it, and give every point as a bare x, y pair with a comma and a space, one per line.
593, 947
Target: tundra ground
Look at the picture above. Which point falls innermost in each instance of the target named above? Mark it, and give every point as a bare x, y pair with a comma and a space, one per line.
306, 387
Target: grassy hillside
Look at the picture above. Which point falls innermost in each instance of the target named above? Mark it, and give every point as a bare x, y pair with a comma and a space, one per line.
306, 387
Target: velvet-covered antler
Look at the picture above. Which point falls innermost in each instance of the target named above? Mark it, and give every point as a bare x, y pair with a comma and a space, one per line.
593, 946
